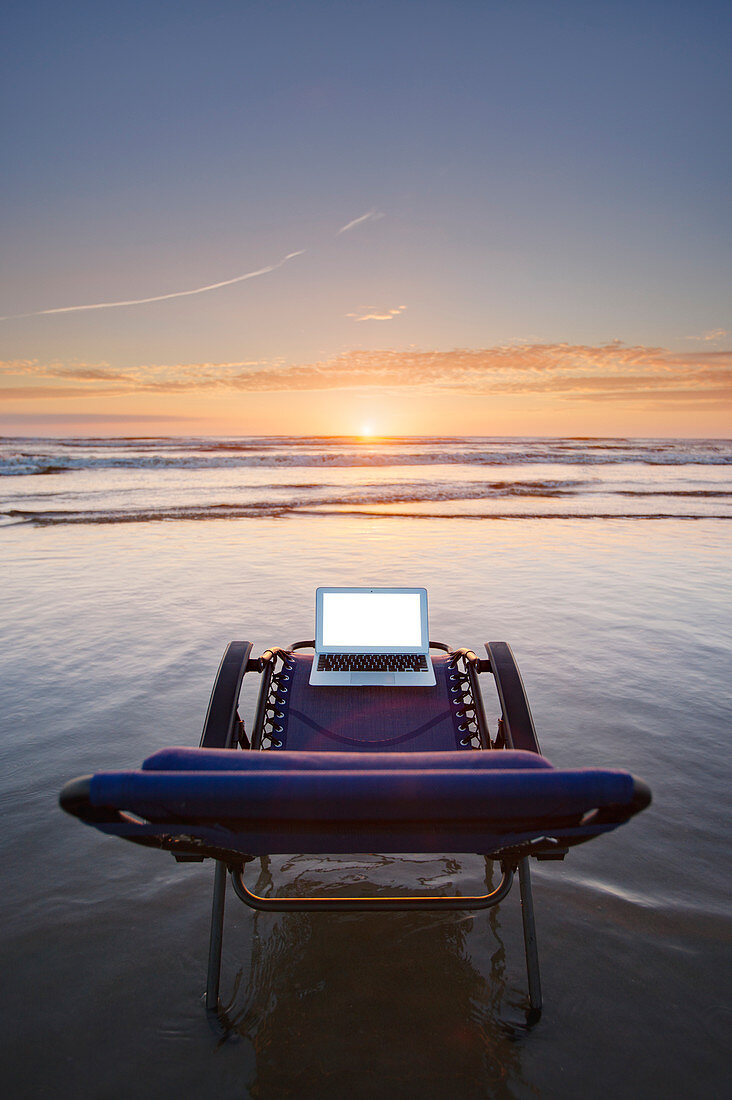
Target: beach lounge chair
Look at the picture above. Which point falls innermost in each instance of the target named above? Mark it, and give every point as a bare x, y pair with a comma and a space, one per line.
357, 770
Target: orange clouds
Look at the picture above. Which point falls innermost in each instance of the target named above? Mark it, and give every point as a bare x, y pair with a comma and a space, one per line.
566, 371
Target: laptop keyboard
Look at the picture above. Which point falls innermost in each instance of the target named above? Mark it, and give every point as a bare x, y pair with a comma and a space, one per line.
372, 662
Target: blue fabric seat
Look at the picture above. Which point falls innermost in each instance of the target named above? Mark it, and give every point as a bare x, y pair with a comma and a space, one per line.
378, 719
356, 769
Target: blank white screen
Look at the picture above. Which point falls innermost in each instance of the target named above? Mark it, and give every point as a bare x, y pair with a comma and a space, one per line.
371, 619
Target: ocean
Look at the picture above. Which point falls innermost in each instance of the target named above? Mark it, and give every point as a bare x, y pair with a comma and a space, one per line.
129, 564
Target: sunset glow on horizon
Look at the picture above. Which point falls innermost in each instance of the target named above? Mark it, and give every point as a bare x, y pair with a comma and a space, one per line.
282, 222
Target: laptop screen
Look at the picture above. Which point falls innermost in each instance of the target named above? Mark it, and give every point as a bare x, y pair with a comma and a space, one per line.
372, 620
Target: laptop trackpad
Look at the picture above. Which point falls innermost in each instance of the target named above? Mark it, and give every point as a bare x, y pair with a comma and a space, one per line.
365, 678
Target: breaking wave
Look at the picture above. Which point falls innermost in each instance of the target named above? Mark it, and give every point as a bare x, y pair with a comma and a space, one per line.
23, 457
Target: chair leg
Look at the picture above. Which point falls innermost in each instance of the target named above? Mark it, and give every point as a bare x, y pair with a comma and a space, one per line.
530, 947
215, 942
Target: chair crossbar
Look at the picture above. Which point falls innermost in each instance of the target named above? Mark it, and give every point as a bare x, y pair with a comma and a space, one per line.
407, 904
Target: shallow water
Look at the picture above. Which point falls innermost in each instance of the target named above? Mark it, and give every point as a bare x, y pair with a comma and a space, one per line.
112, 637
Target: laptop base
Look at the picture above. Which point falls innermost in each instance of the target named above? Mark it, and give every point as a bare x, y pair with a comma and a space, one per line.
372, 679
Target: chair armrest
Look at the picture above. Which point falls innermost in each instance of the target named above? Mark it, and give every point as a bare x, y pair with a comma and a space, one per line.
75, 799
219, 729
517, 720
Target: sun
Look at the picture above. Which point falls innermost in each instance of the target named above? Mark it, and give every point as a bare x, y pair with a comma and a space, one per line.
367, 431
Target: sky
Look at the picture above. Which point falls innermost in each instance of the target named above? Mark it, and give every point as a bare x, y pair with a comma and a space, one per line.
404, 218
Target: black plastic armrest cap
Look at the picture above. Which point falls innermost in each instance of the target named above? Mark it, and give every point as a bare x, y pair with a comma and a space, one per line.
74, 797
641, 795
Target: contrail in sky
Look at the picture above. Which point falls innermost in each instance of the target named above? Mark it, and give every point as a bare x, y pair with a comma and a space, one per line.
372, 215
162, 297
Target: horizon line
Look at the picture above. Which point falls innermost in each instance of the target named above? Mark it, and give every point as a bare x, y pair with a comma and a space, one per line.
372, 439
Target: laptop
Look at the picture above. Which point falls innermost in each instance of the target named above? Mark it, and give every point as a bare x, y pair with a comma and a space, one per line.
371, 637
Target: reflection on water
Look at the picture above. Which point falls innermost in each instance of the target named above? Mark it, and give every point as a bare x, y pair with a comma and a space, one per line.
112, 637
331, 999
